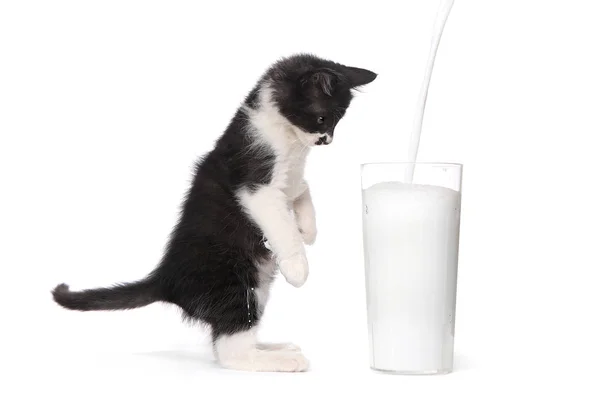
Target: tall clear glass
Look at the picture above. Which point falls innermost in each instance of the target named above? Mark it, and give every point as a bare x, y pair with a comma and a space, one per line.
411, 239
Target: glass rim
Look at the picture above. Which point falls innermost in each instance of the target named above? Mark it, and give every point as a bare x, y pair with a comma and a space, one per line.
445, 164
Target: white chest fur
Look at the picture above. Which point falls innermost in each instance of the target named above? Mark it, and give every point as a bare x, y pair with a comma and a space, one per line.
288, 171
274, 133
270, 205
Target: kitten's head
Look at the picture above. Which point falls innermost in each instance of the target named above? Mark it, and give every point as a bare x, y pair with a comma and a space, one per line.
313, 94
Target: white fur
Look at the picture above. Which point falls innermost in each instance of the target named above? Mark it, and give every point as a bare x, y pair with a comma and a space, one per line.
278, 346
242, 352
269, 208
305, 217
270, 205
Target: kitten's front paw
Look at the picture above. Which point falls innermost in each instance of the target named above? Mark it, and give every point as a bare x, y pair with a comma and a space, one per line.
295, 269
309, 235
307, 225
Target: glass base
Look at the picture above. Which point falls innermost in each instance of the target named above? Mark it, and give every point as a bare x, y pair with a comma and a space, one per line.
426, 372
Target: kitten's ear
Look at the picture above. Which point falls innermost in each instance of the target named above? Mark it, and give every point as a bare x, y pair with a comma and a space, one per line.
359, 76
323, 79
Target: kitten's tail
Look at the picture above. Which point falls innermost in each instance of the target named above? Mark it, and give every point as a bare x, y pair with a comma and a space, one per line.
119, 297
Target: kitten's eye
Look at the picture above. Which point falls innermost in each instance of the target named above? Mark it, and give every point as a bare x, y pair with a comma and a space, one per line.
320, 120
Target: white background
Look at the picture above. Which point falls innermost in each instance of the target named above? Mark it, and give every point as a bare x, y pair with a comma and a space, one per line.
104, 106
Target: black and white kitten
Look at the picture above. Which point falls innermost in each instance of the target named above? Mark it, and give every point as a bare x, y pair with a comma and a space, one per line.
248, 213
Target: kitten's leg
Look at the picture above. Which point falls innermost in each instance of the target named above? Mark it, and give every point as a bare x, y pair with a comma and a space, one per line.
305, 217
240, 351
234, 313
266, 272
268, 207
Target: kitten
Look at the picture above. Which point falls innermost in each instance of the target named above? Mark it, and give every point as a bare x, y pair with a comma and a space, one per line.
247, 214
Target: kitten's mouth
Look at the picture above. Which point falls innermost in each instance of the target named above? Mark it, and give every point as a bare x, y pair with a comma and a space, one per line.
325, 139
313, 139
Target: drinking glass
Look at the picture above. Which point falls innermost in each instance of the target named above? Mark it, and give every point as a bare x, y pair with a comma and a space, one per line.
411, 223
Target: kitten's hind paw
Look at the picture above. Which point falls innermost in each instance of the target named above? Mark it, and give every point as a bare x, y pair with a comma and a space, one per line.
267, 361
278, 346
